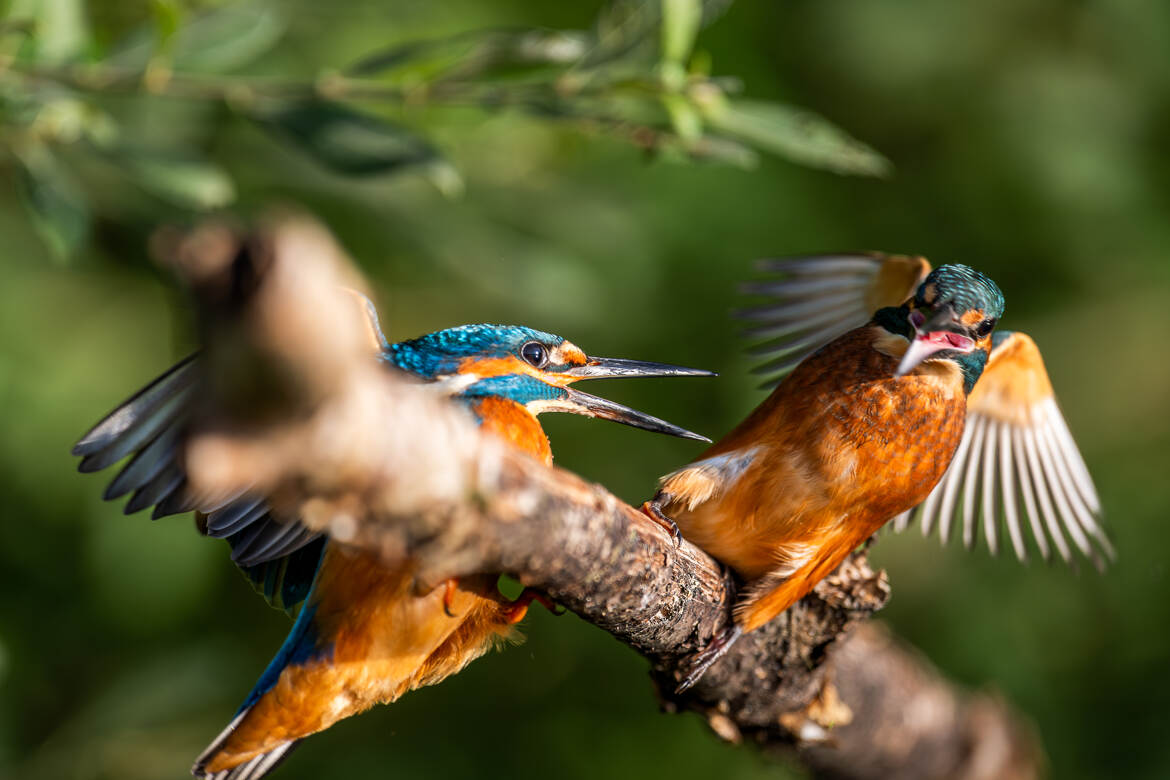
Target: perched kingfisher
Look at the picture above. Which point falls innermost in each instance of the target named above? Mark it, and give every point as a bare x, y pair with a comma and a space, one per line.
894, 395
363, 635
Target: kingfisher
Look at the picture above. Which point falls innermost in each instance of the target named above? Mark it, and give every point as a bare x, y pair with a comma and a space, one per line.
363, 635
894, 393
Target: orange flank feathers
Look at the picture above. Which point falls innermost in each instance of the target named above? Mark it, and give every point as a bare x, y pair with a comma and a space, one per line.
385, 641
384, 638
838, 448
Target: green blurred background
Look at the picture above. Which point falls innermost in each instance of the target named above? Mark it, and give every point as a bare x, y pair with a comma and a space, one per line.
1028, 138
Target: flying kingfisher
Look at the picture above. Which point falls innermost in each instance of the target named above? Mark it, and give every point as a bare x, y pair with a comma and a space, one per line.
363, 635
894, 395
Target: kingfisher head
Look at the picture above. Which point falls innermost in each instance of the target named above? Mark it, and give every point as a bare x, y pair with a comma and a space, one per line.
951, 317
530, 368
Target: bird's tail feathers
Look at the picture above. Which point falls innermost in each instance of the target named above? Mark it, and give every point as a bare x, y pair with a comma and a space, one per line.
252, 769
803, 567
246, 749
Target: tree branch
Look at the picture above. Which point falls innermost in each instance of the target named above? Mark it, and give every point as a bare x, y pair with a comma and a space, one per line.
389, 466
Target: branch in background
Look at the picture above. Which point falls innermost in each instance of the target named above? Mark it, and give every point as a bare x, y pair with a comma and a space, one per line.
387, 465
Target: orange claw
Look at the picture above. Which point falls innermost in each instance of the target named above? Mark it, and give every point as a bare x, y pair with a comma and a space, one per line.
449, 589
653, 510
519, 608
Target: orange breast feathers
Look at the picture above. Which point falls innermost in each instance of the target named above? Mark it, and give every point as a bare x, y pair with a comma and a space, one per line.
515, 425
835, 451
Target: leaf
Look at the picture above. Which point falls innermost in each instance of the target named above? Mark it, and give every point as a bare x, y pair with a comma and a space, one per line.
723, 150
188, 183
479, 54
345, 140
620, 28
684, 118
445, 178
797, 134
55, 203
60, 30
624, 25
681, 20
168, 18
219, 41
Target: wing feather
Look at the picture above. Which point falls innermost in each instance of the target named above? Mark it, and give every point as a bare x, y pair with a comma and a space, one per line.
951, 482
1017, 445
990, 442
815, 299
1007, 475
1042, 492
148, 428
792, 322
1025, 474
125, 423
970, 482
158, 488
234, 517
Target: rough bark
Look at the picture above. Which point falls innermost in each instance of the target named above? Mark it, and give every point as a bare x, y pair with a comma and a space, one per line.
387, 465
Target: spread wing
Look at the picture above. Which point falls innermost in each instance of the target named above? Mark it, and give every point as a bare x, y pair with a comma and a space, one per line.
149, 428
278, 555
817, 298
1017, 461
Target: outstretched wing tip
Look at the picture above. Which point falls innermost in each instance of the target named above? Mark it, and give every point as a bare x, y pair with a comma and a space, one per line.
1017, 460
813, 299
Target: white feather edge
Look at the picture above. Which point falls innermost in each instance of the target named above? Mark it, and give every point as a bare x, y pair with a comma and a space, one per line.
999, 462
253, 769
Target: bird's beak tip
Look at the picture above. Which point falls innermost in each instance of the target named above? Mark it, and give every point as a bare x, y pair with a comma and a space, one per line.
610, 368
595, 406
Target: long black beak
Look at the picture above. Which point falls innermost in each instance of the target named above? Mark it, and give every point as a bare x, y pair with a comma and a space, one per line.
594, 406
603, 368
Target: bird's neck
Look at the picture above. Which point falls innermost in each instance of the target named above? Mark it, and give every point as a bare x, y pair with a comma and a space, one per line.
895, 320
513, 423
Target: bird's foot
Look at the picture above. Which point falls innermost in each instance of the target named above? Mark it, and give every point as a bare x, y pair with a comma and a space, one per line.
450, 587
518, 608
653, 510
701, 661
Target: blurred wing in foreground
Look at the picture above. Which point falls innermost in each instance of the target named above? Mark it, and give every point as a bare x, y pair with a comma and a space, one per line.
1016, 445
817, 298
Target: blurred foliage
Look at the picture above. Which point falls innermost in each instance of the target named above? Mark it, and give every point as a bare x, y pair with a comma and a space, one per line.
1029, 140
631, 74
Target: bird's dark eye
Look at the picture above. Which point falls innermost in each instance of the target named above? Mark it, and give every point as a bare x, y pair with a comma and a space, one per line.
984, 328
534, 354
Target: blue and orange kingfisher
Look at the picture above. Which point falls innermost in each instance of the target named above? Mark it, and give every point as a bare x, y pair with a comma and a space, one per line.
363, 636
894, 393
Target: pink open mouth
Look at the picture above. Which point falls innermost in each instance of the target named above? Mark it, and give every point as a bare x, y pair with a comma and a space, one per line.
944, 339
925, 345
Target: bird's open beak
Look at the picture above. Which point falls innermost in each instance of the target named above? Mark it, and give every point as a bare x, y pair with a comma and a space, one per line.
606, 368
931, 336
594, 406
